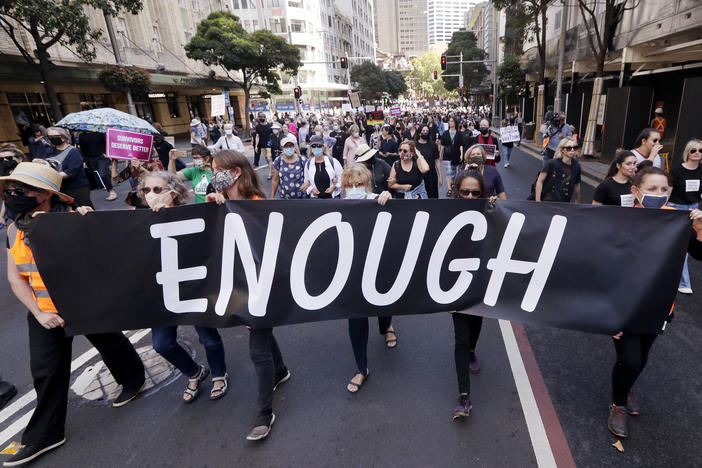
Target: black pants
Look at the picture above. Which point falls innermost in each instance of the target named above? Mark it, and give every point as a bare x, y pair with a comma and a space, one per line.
431, 182
257, 156
268, 362
632, 355
81, 196
358, 333
103, 167
466, 331
50, 365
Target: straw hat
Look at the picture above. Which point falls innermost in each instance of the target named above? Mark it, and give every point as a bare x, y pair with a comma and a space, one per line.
364, 153
37, 175
195, 122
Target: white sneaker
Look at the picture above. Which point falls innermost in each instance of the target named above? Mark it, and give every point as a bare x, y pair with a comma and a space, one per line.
685, 290
506, 164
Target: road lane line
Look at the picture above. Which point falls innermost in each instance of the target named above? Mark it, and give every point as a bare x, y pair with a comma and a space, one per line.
537, 432
14, 428
77, 363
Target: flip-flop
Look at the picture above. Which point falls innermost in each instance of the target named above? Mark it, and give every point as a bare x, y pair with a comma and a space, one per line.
358, 386
389, 341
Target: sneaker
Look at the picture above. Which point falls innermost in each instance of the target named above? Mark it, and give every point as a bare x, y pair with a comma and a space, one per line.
617, 421
474, 363
685, 290
112, 196
632, 407
262, 428
128, 394
31, 452
507, 164
282, 378
463, 408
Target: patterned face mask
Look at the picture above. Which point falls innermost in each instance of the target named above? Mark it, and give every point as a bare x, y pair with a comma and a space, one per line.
222, 180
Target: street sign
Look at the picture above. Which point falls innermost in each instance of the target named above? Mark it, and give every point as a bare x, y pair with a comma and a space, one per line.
460, 81
226, 98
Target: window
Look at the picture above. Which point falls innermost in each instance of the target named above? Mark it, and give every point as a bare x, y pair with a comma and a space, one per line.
156, 40
91, 101
278, 26
196, 6
195, 106
244, 5
297, 26
181, 3
188, 36
236, 4
172, 101
30, 108
254, 25
246, 25
122, 32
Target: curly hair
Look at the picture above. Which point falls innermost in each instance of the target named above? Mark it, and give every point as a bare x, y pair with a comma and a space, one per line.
249, 183
172, 182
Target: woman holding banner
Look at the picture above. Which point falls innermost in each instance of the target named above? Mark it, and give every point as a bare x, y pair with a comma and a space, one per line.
235, 179
356, 185
159, 190
651, 189
476, 158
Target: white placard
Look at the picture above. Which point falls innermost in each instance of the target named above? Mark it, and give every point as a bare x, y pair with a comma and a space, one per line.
692, 185
370, 108
217, 105
627, 200
346, 107
601, 109
509, 134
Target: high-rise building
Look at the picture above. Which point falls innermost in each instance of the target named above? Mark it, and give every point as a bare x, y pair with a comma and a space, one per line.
445, 17
413, 27
386, 24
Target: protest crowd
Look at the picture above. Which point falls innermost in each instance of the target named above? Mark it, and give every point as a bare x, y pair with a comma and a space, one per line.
330, 155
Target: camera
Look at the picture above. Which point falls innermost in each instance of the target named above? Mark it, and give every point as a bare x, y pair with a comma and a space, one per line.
556, 121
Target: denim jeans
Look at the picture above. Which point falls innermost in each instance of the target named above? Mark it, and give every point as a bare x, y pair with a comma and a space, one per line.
685, 279
508, 152
268, 362
165, 344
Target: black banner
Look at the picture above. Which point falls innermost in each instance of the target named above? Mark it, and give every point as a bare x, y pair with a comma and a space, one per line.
269, 263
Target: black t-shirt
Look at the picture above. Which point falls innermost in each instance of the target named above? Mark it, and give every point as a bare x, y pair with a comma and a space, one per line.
263, 131
92, 144
321, 180
413, 177
610, 192
430, 151
452, 149
686, 185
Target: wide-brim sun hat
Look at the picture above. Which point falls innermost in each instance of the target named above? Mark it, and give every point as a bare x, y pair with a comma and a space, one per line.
194, 122
41, 176
364, 153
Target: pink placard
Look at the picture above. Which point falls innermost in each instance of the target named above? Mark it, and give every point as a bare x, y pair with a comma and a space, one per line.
123, 144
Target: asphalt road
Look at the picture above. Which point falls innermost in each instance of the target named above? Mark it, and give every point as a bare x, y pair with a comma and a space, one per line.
402, 416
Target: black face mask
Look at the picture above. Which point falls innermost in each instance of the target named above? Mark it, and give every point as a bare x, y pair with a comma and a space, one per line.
425, 136
484, 131
56, 140
21, 204
7, 165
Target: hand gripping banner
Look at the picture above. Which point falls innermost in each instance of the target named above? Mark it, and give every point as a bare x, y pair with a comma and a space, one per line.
270, 263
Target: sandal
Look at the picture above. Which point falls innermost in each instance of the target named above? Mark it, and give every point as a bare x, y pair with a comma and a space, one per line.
197, 381
222, 390
391, 342
354, 387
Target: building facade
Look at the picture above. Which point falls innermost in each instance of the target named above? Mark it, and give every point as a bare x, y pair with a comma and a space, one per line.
445, 17
413, 30
386, 22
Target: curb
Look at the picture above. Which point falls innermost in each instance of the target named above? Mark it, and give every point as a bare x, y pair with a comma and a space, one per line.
590, 177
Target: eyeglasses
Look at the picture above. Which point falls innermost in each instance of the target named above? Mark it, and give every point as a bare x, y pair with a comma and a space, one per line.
156, 190
570, 148
467, 193
354, 185
656, 140
694, 150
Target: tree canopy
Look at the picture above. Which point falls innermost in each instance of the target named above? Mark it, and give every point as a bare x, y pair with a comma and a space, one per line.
373, 81
473, 73
222, 41
422, 75
50, 22
511, 79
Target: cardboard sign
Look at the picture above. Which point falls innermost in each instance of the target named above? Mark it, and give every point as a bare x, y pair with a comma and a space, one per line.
489, 150
218, 105
509, 134
346, 107
395, 111
122, 144
355, 100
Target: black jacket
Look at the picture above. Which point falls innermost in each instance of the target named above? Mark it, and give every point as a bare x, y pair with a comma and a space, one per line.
380, 171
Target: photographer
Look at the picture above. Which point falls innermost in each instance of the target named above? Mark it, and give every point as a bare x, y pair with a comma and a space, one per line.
557, 130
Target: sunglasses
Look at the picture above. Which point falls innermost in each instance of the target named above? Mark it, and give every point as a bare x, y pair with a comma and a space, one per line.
466, 192
570, 148
315, 146
356, 185
694, 150
19, 191
404, 151
156, 190
656, 140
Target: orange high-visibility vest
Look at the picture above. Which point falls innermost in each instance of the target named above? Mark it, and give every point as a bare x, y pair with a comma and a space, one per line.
24, 259
659, 125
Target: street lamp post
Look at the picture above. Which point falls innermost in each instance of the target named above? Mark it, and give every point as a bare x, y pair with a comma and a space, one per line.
118, 58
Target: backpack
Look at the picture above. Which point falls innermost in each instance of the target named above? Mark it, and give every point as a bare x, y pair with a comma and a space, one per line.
546, 187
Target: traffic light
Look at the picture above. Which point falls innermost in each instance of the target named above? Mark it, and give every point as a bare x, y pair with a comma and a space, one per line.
443, 62
436, 75
298, 92
344, 62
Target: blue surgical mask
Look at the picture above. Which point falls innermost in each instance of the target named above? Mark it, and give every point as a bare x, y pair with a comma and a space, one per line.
355, 193
275, 131
654, 201
317, 151
355, 134
289, 151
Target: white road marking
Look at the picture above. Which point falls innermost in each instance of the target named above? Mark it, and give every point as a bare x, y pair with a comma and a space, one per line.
30, 396
537, 432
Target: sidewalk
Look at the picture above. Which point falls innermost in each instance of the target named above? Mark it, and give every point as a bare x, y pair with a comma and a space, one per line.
594, 169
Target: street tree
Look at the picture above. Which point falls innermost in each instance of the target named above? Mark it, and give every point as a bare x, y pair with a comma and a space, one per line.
535, 17
394, 83
222, 41
473, 73
511, 79
516, 23
52, 22
422, 75
600, 34
371, 80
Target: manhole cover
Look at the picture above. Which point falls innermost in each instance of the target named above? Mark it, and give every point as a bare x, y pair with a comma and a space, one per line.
95, 385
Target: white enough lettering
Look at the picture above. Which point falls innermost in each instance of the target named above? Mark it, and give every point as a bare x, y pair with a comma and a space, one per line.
259, 289
170, 275
504, 263
461, 265
302, 251
409, 261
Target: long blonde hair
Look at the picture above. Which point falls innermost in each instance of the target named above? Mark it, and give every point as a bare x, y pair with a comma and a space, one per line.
564, 142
